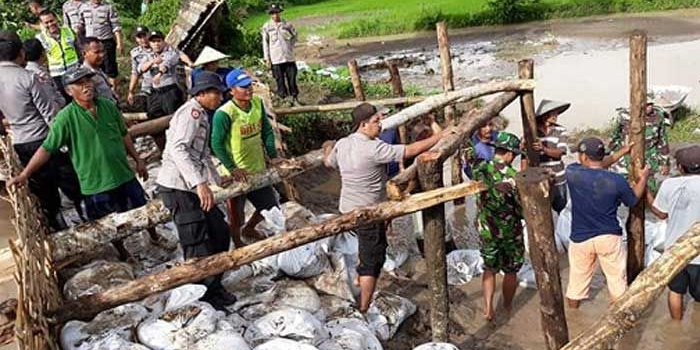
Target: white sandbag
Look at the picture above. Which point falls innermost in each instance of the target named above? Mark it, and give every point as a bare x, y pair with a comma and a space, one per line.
290, 323
97, 277
233, 279
296, 294
436, 346
179, 329
394, 260
462, 265
338, 281
526, 276
284, 344
655, 234
112, 342
184, 295
387, 312
119, 320
562, 230
306, 261
233, 322
350, 334
335, 307
222, 340
72, 335
274, 222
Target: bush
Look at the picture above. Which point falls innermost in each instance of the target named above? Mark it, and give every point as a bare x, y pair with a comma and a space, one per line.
515, 11
161, 14
311, 130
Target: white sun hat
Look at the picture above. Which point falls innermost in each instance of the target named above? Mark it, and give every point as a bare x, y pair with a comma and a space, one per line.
209, 55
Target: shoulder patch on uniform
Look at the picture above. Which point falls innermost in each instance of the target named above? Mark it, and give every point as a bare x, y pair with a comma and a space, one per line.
195, 114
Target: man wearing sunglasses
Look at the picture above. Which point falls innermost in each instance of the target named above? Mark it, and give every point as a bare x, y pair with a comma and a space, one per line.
243, 139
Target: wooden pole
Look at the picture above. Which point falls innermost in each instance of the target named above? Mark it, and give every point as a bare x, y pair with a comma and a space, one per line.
527, 109
430, 176
197, 269
533, 187
403, 183
90, 236
638, 99
624, 313
397, 90
356, 82
446, 67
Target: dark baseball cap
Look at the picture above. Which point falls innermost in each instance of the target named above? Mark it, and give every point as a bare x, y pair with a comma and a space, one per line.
364, 112
274, 8
689, 158
74, 74
155, 34
141, 30
592, 147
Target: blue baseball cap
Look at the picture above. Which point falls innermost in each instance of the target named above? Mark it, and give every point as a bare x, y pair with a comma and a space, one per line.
238, 78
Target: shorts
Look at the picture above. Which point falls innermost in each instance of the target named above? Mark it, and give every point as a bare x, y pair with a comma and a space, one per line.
109, 65
127, 196
504, 252
371, 241
262, 199
688, 280
607, 249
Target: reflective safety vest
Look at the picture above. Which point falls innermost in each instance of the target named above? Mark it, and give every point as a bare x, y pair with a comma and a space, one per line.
61, 53
245, 139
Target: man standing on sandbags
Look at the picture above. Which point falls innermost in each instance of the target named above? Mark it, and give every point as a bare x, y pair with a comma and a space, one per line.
184, 182
279, 38
361, 159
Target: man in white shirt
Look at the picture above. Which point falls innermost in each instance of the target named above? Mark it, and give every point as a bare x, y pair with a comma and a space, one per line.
677, 201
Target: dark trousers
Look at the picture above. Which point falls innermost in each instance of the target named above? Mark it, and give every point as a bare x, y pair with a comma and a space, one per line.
164, 101
109, 64
201, 233
127, 196
559, 195
57, 173
59, 85
286, 76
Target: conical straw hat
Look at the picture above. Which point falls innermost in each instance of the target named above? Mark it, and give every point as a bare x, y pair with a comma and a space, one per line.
209, 55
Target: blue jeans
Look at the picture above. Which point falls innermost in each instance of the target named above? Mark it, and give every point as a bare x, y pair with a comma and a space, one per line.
125, 197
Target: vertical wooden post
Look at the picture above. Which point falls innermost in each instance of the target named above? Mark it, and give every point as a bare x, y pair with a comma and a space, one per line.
533, 187
638, 99
430, 176
397, 90
356, 82
526, 70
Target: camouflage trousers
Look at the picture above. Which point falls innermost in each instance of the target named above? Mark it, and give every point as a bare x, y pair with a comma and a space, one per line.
504, 251
652, 161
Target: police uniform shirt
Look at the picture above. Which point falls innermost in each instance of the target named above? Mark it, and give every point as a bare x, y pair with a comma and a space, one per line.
102, 88
187, 157
27, 106
279, 39
139, 56
71, 14
99, 20
170, 58
44, 78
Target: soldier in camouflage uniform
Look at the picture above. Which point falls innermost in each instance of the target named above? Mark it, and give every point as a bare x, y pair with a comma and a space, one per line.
500, 217
656, 139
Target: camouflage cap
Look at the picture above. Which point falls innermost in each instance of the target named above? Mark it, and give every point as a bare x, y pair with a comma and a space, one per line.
507, 141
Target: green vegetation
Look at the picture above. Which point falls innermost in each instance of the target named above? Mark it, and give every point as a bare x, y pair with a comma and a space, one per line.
686, 127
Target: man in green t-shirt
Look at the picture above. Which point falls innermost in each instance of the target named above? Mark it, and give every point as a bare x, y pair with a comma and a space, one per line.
94, 131
241, 138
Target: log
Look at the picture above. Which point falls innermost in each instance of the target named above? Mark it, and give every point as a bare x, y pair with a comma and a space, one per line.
461, 95
638, 99
355, 79
624, 313
527, 111
446, 68
403, 183
89, 237
347, 105
150, 127
430, 176
533, 188
85, 308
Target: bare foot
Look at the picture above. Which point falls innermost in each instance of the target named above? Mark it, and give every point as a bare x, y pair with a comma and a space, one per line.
489, 315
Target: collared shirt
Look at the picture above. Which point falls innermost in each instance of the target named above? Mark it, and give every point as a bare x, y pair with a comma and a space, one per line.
362, 163
279, 39
476, 152
27, 106
187, 156
102, 88
99, 20
44, 78
170, 57
139, 55
71, 14
557, 137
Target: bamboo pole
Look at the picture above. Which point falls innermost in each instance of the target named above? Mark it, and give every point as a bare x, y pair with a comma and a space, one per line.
624, 313
638, 99
461, 95
356, 81
533, 187
89, 236
197, 269
403, 183
430, 176
527, 108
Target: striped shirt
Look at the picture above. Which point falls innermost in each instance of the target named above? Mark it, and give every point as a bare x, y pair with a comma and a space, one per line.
557, 137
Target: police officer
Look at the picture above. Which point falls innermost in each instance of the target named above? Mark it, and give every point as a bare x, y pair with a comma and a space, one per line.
61, 48
101, 21
139, 55
185, 177
29, 108
35, 56
71, 17
279, 38
160, 67
94, 55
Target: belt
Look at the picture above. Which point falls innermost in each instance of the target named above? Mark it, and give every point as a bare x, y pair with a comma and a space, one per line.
165, 88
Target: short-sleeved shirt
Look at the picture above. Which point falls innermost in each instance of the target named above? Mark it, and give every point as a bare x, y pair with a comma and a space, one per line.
102, 88
99, 20
362, 164
595, 196
279, 39
557, 137
678, 197
139, 56
71, 14
476, 152
96, 145
170, 58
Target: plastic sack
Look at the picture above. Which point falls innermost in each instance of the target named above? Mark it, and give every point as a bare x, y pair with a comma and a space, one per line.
338, 281
436, 346
97, 277
562, 230
526, 276
184, 295
73, 335
233, 322
119, 320
222, 340
306, 261
387, 312
112, 342
297, 294
462, 265
291, 323
284, 344
179, 329
350, 334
